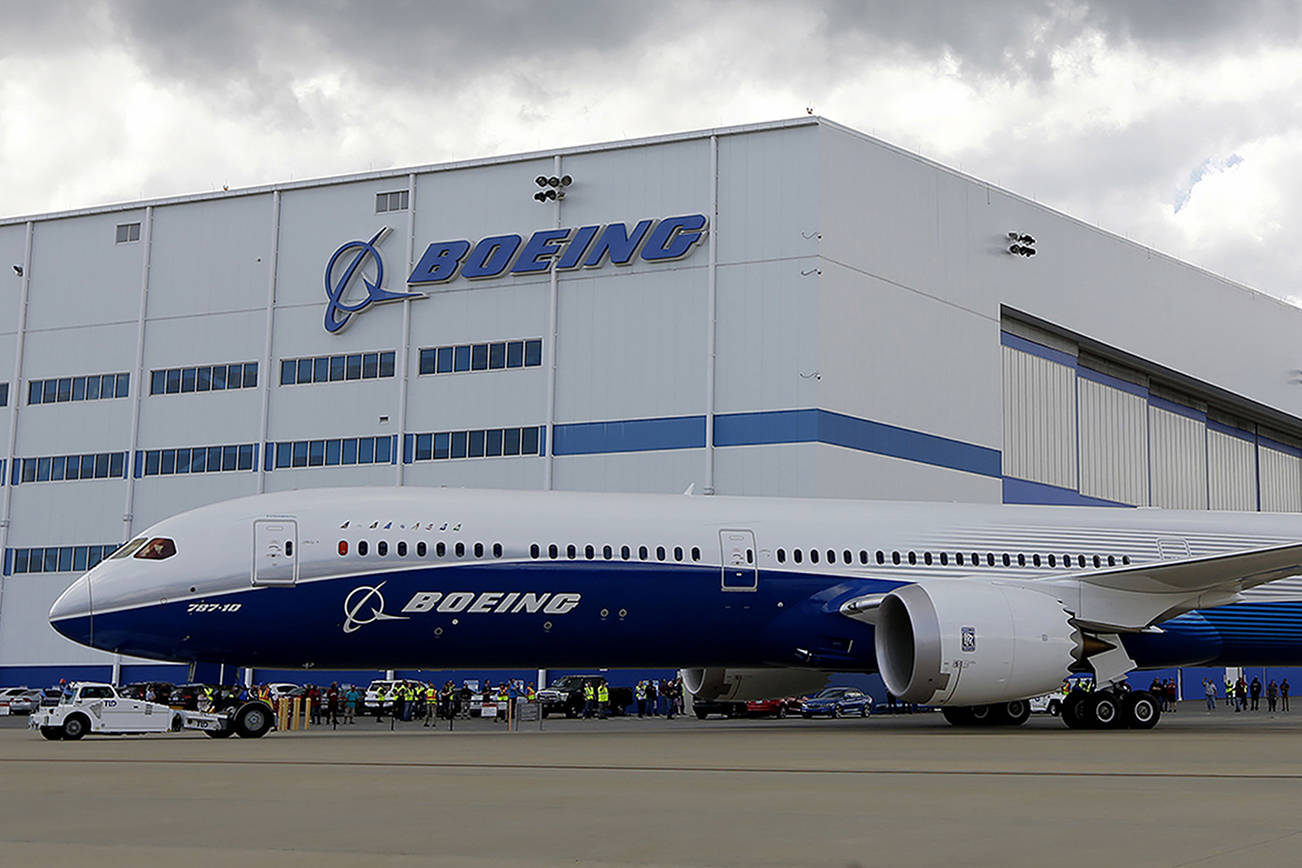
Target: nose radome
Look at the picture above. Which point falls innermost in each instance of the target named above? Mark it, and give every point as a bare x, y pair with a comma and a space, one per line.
71, 612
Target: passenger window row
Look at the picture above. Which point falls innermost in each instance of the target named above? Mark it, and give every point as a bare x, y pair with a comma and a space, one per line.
958, 559
331, 369
55, 559
204, 378
525, 353
610, 553
422, 549
196, 459
329, 453
101, 465
487, 443
89, 388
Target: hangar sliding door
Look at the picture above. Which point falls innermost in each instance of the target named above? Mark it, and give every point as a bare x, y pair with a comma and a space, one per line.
1178, 459
1039, 419
1231, 470
1281, 477
1113, 442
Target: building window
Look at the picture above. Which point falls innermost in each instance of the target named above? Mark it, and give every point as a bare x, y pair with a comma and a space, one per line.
204, 378
93, 387
330, 453
386, 202
330, 369
485, 443
56, 468
495, 356
196, 459
126, 233
4, 394
56, 559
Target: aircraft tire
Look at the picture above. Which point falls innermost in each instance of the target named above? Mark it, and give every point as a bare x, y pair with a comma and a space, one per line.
1141, 710
1014, 713
1104, 710
1074, 711
959, 715
986, 715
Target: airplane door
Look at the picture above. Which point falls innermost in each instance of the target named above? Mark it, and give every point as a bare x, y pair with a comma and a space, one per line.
740, 571
275, 552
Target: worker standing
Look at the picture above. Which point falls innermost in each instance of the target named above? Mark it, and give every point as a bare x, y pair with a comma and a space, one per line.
603, 700
589, 698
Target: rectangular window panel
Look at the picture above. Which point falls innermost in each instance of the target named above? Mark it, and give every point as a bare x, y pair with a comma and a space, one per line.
370, 366
479, 357
57, 465
366, 450
321, 369
348, 451
51, 560
203, 379
173, 381
198, 460
183, 460
157, 382
50, 391
65, 558
444, 360
118, 465
496, 356
42, 470
214, 459
187, 380
79, 559
78, 388
87, 467
316, 453
284, 454
442, 444
300, 453
383, 450
153, 461
218, 377
529, 441
102, 465
387, 363
20, 560
461, 358
4, 394
35, 391
515, 354
93, 388
94, 554
304, 370
124, 386
493, 443
458, 444
65, 390
511, 441
72, 468
250, 375
332, 453
230, 457
288, 372
475, 444
427, 359
424, 446
245, 457
337, 368
533, 353
353, 367
29, 470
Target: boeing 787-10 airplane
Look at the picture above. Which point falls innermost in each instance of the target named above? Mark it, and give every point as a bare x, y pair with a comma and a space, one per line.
971, 607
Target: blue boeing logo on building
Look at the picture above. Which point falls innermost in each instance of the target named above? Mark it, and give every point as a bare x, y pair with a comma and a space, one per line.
653, 241
338, 310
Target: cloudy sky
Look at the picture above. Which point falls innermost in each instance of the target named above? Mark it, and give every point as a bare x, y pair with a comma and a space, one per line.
1177, 123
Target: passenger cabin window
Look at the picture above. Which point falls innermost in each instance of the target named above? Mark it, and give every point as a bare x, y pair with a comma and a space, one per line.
402, 549
421, 549
157, 549
382, 548
782, 556
361, 548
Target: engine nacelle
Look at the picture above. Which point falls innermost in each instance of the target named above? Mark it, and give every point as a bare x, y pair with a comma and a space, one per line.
973, 642
745, 685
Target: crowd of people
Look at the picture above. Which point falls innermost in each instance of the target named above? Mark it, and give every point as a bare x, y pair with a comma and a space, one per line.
1245, 695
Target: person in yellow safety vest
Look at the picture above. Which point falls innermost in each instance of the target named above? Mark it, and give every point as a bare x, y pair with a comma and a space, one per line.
603, 701
589, 699
431, 702
208, 704
381, 693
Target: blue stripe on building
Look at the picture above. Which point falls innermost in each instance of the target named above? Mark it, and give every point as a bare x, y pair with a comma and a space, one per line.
629, 435
1027, 492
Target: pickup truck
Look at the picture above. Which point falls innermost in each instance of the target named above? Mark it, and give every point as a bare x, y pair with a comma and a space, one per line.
92, 707
565, 695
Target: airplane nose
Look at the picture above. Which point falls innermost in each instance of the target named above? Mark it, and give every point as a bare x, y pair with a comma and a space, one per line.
71, 613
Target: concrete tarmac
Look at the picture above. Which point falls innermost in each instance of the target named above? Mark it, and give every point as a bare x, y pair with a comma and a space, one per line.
1218, 789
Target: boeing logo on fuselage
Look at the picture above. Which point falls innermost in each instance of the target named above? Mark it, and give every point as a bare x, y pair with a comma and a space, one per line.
365, 605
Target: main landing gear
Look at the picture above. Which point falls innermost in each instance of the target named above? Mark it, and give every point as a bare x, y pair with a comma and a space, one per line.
1013, 713
1111, 709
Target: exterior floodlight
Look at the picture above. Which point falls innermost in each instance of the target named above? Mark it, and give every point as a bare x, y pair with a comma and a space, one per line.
18, 270
540, 196
553, 181
541, 180
1028, 251
1026, 239
566, 180
1013, 236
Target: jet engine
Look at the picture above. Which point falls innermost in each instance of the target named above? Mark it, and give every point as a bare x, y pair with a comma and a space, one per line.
745, 685
973, 642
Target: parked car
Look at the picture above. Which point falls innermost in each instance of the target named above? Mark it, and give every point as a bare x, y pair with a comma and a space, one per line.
25, 702
139, 690
837, 702
774, 707
51, 696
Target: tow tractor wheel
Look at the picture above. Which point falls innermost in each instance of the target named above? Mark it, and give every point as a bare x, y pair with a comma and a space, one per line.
219, 733
253, 720
51, 733
1140, 710
1104, 710
75, 727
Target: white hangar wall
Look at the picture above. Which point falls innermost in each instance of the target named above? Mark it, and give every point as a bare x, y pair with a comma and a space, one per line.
850, 325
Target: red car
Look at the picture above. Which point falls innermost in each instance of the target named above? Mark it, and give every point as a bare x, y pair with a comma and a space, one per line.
773, 707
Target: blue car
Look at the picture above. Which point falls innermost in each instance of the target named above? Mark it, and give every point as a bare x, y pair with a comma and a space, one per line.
837, 702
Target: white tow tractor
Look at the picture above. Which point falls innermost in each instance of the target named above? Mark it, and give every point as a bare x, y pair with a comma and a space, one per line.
93, 707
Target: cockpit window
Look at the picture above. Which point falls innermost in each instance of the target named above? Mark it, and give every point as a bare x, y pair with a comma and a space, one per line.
127, 550
157, 549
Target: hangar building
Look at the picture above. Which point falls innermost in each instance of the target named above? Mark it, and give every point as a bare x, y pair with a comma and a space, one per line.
787, 308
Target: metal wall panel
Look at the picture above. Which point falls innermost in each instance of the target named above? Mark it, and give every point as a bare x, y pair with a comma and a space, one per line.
1281, 480
1178, 452
80, 276
211, 259
1231, 472
1039, 419
1113, 443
